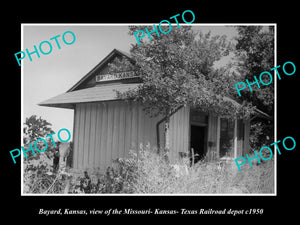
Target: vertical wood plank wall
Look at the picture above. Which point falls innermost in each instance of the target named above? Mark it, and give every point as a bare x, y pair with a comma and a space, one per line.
246, 144
240, 137
179, 133
106, 131
213, 136
236, 142
243, 133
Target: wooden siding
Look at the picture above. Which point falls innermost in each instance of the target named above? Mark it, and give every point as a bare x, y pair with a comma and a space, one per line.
106, 131
246, 144
179, 133
213, 137
239, 137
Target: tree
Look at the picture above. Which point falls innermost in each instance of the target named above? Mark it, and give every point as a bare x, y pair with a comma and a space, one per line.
255, 51
35, 128
176, 70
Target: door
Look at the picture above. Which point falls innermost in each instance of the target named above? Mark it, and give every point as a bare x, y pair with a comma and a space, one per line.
198, 134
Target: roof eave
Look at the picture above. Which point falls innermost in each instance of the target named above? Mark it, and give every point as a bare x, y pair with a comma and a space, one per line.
262, 115
62, 105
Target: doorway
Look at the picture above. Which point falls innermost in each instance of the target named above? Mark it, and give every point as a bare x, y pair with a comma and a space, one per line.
197, 142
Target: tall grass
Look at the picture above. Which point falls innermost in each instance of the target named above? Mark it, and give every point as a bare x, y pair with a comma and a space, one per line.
149, 173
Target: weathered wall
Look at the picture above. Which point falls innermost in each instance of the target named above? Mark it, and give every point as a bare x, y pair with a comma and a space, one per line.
179, 133
106, 131
246, 144
213, 137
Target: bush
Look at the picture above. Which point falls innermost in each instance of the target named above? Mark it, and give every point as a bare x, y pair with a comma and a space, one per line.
118, 178
154, 174
39, 177
148, 172
256, 179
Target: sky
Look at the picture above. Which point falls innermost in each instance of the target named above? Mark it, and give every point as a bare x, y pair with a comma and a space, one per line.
55, 73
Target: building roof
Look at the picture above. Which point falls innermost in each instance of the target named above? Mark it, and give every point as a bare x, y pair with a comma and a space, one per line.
102, 93
259, 112
102, 63
93, 94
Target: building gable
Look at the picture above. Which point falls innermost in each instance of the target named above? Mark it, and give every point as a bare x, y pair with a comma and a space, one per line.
99, 76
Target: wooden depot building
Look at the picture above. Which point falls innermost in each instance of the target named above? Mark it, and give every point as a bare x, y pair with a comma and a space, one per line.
106, 128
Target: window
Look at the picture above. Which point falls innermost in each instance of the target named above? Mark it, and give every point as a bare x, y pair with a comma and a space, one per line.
226, 137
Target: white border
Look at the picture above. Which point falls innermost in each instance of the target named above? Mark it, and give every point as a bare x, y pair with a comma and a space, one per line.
22, 112
275, 109
121, 24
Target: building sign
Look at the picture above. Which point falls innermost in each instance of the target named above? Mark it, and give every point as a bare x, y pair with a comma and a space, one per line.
115, 76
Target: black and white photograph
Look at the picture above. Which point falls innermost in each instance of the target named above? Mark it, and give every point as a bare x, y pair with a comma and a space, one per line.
148, 110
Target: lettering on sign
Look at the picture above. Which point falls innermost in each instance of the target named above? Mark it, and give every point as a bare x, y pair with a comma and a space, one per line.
115, 76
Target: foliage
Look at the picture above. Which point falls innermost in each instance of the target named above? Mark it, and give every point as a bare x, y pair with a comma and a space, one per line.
255, 47
177, 70
261, 134
39, 179
39, 176
35, 128
255, 51
118, 178
148, 173
154, 173
256, 179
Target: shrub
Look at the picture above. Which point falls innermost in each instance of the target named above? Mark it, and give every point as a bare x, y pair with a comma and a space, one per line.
154, 174
148, 172
256, 179
39, 178
118, 178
